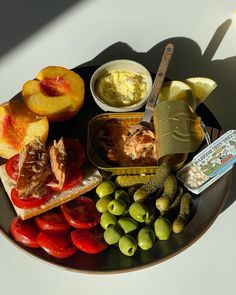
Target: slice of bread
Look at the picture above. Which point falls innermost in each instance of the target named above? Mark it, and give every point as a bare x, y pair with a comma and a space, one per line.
92, 178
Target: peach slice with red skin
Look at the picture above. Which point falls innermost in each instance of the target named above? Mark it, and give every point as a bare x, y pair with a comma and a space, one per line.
57, 93
19, 126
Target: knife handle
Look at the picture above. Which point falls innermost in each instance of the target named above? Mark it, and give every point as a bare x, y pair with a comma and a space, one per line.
160, 76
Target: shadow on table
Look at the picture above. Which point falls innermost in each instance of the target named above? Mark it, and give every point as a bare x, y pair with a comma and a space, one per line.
20, 19
189, 61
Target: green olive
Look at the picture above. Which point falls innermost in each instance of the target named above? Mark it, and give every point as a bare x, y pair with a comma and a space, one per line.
117, 207
163, 228
128, 224
122, 195
102, 204
105, 188
138, 211
107, 219
128, 245
112, 234
146, 238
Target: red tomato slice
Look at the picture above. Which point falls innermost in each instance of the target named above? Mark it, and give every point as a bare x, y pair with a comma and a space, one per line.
53, 222
12, 167
90, 240
57, 245
24, 232
75, 152
81, 213
75, 177
29, 203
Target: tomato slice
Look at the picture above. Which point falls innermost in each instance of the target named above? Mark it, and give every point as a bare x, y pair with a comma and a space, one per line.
90, 240
52, 222
12, 167
24, 232
57, 245
75, 152
75, 177
81, 213
29, 203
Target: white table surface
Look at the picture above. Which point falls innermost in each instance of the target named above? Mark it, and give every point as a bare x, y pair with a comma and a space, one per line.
133, 29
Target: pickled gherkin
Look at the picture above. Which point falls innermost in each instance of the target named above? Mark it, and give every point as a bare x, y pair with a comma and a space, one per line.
157, 181
152, 212
170, 187
132, 180
173, 209
184, 213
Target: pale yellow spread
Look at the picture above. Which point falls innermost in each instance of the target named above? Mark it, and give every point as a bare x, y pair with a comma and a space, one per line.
121, 88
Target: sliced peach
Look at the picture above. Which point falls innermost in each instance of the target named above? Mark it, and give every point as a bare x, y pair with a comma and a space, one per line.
18, 126
57, 93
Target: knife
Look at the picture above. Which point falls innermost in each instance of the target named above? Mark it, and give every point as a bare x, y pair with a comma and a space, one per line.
157, 85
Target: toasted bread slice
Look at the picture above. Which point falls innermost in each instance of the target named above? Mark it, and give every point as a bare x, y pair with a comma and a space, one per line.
92, 178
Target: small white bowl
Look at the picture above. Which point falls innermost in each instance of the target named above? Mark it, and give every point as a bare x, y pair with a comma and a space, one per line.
121, 65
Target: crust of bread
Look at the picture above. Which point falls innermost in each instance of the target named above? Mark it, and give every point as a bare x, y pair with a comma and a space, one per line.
92, 178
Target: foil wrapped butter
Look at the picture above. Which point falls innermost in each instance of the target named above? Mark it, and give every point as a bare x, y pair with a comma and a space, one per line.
210, 164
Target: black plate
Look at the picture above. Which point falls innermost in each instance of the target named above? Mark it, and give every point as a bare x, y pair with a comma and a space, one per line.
206, 207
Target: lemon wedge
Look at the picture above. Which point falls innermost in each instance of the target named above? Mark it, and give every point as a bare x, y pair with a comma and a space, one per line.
201, 87
176, 90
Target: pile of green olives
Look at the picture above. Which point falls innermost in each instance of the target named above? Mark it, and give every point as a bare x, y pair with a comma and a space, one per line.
127, 223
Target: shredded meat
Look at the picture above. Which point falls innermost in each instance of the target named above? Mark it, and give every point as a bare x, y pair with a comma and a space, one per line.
119, 143
33, 170
57, 153
140, 143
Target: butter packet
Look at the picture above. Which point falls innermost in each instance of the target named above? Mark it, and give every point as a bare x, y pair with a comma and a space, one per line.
210, 164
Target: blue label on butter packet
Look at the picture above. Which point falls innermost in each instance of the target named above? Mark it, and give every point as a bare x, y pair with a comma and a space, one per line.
219, 156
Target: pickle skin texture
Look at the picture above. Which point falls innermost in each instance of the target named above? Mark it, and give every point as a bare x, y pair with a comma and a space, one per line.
157, 181
126, 181
174, 206
184, 214
170, 187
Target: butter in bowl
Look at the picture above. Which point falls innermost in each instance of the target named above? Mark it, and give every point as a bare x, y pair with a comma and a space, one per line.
121, 86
